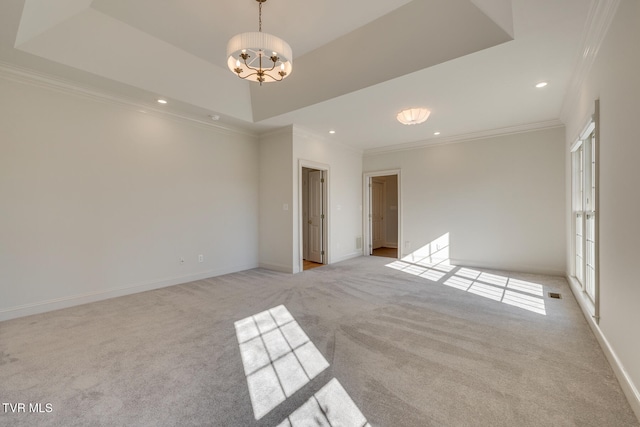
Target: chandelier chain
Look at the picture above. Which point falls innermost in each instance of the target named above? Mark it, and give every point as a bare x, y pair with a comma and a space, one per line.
260, 16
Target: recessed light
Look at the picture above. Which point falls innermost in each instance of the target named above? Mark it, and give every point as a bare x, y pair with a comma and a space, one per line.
162, 101
541, 85
214, 117
332, 132
436, 133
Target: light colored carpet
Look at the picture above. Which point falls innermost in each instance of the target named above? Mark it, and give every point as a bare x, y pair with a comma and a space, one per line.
408, 350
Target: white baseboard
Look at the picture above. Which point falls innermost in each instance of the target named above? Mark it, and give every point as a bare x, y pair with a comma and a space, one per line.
346, 257
626, 383
508, 267
73, 300
277, 267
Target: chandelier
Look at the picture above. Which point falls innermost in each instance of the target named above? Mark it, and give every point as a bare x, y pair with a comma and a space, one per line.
258, 56
413, 116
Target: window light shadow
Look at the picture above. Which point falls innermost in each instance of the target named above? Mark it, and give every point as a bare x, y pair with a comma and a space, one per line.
331, 406
432, 262
433, 253
278, 358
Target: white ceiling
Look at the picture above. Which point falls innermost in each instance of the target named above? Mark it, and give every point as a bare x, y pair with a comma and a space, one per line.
474, 63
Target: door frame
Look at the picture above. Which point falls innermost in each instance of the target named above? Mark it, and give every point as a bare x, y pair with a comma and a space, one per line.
326, 258
366, 211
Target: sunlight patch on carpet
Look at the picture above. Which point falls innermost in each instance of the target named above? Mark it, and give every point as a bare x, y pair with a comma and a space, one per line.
278, 358
432, 262
518, 293
331, 406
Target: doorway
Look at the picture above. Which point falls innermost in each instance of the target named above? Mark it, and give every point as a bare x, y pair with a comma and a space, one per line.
382, 194
313, 217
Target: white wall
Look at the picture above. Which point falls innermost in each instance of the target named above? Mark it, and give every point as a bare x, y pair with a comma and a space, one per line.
276, 201
614, 80
345, 193
282, 153
500, 199
98, 199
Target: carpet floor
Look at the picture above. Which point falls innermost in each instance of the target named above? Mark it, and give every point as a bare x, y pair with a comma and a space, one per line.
412, 345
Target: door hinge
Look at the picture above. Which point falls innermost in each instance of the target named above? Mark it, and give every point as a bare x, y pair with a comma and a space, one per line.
322, 253
322, 216
322, 180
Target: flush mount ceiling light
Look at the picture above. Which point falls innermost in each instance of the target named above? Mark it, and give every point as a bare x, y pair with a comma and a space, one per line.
413, 116
259, 56
541, 85
162, 101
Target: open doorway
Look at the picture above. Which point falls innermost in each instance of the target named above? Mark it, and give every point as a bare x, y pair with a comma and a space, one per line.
383, 231
313, 217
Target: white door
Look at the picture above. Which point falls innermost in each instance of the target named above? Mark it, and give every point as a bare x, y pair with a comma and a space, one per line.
377, 214
305, 213
316, 216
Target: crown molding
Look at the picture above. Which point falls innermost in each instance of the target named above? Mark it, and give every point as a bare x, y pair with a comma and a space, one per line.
491, 133
303, 132
599, 19
286, 130
33, 78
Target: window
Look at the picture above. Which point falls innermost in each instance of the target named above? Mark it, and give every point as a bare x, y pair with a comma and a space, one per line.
584, 211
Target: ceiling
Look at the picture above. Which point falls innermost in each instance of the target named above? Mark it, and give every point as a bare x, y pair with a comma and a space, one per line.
473, 63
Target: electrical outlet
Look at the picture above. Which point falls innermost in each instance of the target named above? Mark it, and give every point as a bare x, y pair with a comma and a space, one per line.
201, 258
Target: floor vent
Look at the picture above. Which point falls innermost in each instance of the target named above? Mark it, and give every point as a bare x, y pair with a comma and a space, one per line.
555, 295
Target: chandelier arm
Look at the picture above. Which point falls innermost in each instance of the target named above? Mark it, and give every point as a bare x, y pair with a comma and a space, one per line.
270, 76
258, 69
266, 75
